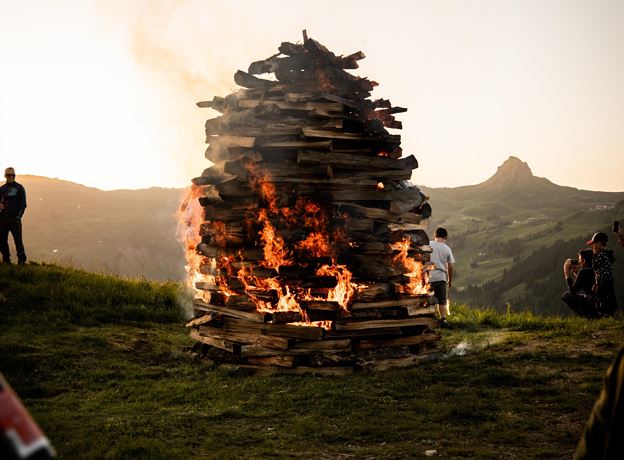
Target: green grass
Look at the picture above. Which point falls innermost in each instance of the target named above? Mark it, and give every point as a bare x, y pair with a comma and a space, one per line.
58, 295
121, 386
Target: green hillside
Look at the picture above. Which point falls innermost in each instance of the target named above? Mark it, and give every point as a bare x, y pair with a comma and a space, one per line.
506, 230
124, 232
101, 364
502, 231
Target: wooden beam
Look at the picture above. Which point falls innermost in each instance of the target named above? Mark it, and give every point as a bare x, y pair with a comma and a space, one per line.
219, 343
281, 361
248, 338
322, 145
248, 316
368, 344
355, 161
311, 132
389, 303
280, 330
305, 106
387, 323
201, 320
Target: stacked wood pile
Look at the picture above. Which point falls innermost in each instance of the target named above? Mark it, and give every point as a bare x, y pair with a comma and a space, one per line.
312, 239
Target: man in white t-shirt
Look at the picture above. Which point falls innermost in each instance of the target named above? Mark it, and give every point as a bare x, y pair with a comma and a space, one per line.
442, 275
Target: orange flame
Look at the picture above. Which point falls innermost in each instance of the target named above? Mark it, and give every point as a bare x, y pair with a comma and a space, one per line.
316, 244
190, 216
260, 180
279, 297
275, 254
344, 290
417, 284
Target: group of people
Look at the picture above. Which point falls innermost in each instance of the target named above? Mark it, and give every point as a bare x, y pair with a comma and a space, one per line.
591, 290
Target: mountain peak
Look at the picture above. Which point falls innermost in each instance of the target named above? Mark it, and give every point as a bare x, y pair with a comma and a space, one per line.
513, 173
515, 167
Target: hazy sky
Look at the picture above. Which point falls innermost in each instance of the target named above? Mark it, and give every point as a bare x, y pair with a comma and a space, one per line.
102, 93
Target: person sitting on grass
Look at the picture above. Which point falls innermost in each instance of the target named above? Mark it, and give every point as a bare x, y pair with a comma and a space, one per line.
604, 290
579, 275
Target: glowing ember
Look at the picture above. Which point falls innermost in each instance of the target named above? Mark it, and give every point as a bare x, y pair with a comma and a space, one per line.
380, 186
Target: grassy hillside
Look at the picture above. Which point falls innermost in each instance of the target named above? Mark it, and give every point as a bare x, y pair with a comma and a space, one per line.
502, 232
99, 361
124, 232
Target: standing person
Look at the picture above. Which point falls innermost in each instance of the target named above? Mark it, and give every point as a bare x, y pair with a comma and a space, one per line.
441, 277
580, 277
604, 290
12, 207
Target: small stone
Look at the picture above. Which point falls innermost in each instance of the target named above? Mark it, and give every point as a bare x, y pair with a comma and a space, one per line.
431, 452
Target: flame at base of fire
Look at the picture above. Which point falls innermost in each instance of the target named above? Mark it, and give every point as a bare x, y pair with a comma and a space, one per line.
415, 269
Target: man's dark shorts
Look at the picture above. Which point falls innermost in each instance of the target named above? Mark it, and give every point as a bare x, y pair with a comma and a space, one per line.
439, 290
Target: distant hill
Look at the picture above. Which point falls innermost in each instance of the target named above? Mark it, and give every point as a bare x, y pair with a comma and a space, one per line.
511, 233
125, 232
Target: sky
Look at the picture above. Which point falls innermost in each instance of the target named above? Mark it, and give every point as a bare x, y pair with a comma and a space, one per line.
103, 92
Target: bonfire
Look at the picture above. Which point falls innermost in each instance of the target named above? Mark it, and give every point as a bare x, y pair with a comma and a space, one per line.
306, 243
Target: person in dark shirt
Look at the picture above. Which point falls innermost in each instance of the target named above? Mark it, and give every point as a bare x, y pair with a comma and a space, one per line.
12, 207
604, 289
580, 278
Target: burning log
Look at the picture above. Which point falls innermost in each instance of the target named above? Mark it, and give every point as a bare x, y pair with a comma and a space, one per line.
306, 245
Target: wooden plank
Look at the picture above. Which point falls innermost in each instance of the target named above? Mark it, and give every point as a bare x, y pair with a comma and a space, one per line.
227, 140
382, 324
371, 292
368, 344
219, 343
319, 305
249, 316
407, 227
305, 106
252, 131
206, 286
384, 332
260, 351
373, 194
361, 182
381, 214
256, 350
312, 132
280, 330
249, 81
322, 346
281, 361
415, 310
279, 169
201, 320
281, 317
418, 301
323, 145
378, 174
354, 161
249, 338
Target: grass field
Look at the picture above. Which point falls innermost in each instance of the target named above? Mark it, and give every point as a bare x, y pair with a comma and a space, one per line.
99, 362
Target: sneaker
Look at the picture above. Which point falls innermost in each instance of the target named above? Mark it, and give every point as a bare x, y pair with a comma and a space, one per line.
444, 324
